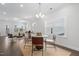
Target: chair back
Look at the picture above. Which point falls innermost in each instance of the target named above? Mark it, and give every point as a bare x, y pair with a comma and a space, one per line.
37, 40
39, 34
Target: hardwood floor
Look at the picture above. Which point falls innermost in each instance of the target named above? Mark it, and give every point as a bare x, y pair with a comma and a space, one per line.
9, 48
17, 48
48, 52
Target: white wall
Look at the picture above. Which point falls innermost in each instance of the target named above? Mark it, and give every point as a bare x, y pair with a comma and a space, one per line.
71, 16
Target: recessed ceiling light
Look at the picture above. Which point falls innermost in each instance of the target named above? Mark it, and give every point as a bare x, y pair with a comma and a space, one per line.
21, 5
4, 13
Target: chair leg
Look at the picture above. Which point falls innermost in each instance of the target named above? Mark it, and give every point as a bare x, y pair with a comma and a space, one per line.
24, 43
54, 45
45, 45
32, 51
42, 52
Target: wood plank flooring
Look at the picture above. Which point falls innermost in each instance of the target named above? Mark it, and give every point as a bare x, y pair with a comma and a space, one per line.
48, 52
16, 48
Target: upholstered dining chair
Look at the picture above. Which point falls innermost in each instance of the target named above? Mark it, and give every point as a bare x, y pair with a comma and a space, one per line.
37, 43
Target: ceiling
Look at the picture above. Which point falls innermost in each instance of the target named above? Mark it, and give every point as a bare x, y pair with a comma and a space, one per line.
26, 10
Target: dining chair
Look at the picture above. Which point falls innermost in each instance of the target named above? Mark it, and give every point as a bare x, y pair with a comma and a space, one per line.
37, 43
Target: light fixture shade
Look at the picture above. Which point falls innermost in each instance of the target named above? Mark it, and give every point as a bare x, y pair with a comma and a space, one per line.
37, 16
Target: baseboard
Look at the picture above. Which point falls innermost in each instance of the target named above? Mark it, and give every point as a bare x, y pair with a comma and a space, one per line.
66, 48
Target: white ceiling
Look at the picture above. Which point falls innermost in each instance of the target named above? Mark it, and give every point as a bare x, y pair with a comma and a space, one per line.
13, 10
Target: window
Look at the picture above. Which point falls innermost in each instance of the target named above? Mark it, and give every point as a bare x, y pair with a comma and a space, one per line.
58, 27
